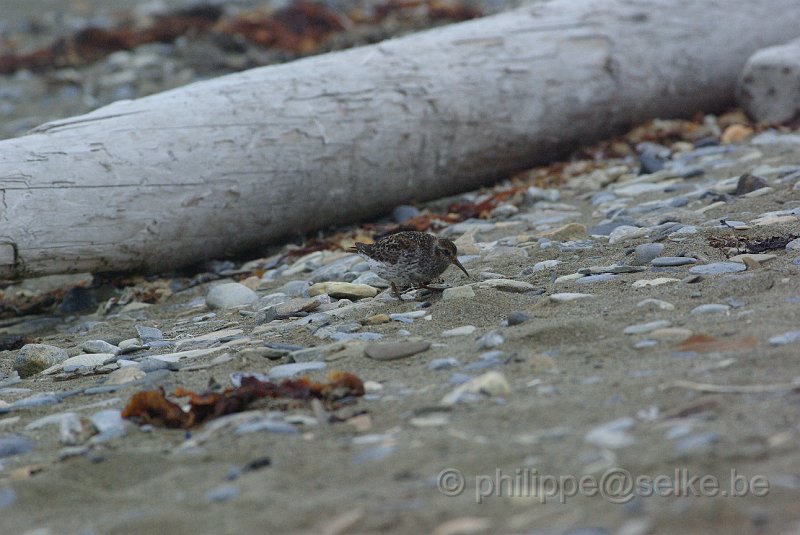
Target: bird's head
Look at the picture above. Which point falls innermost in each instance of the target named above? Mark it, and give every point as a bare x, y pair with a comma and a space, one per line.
447, 249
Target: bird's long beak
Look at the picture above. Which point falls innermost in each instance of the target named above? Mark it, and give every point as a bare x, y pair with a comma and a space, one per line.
457, 263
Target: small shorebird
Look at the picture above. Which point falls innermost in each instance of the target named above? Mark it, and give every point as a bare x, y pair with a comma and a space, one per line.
409, 258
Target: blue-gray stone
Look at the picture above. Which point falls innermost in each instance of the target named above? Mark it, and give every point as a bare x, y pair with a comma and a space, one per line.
371, 279
516, 318
646, 252
490, 340
38, 400
109, 421
375, 453
711, 308
7, 497
696, 444
288, 370
717, 268
267, 424
339, 337
605, 228
591, 279
149, 364
404, 212
670, 261
790, 337
295, 288
650, 162
458, 378
443, 364
221, 494
148, 334
14, 445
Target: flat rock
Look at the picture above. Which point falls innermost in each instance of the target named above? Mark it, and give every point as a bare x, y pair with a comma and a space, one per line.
711, 308
613, 434
396, 350
458, 292
656, 304
283, 371
569, 296
610, 270
545, 264
489, 384
89, 360
646, 252
508, 285
230, 295
717, 268
223, 335
127, 374
642, 328
343, 290
644, 283
99, 346
33, 358
790, 337
672, 261
464, 330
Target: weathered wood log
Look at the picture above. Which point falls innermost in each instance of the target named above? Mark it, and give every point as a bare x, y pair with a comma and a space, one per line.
229, 164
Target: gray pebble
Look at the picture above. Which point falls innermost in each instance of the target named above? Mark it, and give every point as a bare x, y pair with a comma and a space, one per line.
517, 318
443, 364
711, 308
99, 346
671, 261
14, 445
270, 425
33, 358
646, 252
404, 212
221, 494
642, 328
38, 400
230, 295
717, 268
591, 279
371, 279
296, 288
149, 364
490, 340
696, 444
458, 378
396, 350
613, 434
283, 371
109, 421
375, 453
149, 334
790, 337
7, 497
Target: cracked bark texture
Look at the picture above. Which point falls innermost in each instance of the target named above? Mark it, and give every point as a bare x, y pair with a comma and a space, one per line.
232, 163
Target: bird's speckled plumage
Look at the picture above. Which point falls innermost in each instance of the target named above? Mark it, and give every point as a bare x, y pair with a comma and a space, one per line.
409, 258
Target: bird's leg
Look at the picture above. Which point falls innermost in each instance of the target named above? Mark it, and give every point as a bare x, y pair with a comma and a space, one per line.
395, 291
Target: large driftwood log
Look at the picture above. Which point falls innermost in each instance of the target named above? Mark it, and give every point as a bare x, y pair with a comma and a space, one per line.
229, 164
